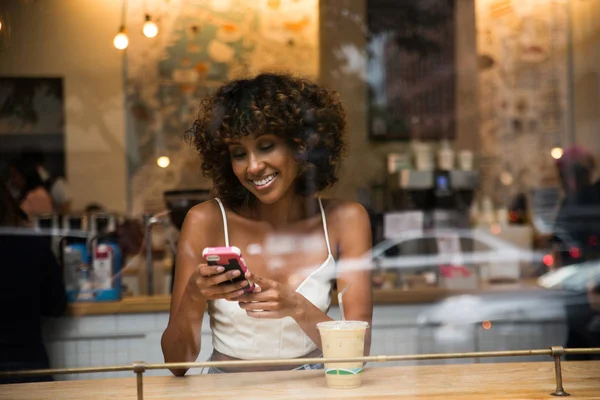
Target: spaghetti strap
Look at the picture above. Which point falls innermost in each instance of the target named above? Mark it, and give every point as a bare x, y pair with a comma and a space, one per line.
325, 226
225, 222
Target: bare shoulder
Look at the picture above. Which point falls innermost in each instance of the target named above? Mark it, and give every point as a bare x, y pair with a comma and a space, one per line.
345, 213
203, 216
350, 228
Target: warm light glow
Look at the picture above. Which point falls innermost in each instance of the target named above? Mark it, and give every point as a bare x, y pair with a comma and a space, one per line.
220, 5
0, 25
506, 178
163, 161
121, 41
486, 325
556, 153
150, 29
496, 229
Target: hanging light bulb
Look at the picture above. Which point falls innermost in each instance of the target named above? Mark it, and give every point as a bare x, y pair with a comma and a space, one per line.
150, 29
163, 161
506, 178
556, 153
121, 41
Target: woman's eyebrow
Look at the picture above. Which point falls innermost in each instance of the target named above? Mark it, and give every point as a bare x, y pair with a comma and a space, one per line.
259, 134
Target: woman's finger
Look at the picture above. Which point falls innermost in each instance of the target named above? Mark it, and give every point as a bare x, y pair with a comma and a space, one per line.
264, 283
210, 270
265, 314
224, 277
261, 305
233, 296
225, 289
255, 296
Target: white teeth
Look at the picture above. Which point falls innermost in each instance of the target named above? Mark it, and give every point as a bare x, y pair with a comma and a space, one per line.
264, 181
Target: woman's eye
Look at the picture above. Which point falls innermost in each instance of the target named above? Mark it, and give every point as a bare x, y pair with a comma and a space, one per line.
267, 147
238, 155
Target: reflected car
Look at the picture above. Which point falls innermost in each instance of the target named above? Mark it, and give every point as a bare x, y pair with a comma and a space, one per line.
575, 278
557, 289
431, 250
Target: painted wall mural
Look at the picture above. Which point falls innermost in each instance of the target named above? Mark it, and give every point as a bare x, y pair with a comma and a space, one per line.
523, 91
201, 44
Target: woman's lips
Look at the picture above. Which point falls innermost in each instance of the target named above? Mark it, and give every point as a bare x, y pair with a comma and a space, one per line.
265, 182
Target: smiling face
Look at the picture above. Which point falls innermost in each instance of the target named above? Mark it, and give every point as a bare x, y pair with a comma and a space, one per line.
264, 165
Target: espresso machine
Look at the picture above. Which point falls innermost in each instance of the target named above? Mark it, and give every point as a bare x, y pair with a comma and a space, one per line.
417, 201
443, 196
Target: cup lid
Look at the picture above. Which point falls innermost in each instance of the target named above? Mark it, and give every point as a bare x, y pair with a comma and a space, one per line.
342, 325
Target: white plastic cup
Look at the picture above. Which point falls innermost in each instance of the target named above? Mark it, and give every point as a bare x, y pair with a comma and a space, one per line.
343, 339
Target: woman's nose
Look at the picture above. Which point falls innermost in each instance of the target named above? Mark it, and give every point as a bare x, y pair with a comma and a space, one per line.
256, 166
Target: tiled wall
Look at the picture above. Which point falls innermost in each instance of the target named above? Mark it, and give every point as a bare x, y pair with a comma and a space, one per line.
123, 339
110, 340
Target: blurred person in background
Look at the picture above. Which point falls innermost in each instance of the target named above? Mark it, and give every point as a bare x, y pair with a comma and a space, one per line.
57, 186
33, 197
594, 295
576, 240
577, 226
31, 287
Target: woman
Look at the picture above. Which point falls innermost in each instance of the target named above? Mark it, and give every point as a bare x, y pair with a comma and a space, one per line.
34, 199
270, 144
32, 284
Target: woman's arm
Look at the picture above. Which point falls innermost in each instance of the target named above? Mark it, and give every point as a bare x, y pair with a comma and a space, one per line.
181, 339
195, 283
355, 265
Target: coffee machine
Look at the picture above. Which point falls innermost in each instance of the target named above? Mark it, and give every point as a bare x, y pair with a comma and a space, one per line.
418, 201
443, 196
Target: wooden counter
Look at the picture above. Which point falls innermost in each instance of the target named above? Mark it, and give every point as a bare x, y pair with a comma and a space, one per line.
470, 381
160, 303
129, 305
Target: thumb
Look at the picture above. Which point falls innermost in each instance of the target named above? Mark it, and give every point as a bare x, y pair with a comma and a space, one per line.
261, 282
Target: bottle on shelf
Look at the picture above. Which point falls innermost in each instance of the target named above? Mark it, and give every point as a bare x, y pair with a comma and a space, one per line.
445, 156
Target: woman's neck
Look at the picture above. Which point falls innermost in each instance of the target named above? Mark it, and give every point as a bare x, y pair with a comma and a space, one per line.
287, 210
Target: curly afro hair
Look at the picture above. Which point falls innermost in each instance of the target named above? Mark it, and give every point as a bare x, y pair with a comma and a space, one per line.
308, 117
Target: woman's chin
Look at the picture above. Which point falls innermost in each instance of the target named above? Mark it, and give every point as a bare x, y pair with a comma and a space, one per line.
270, 195
267, 198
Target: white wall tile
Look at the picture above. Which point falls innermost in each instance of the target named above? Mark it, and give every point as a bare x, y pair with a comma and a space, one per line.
96, 346
136, 323
98, 325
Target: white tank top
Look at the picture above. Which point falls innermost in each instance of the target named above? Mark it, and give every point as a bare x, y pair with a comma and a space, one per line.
237, 335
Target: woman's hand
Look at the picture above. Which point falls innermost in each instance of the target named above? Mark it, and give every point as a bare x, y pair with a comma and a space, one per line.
271, 299
207, 281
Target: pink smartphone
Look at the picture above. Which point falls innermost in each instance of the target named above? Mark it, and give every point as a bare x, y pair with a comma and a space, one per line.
230, 258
